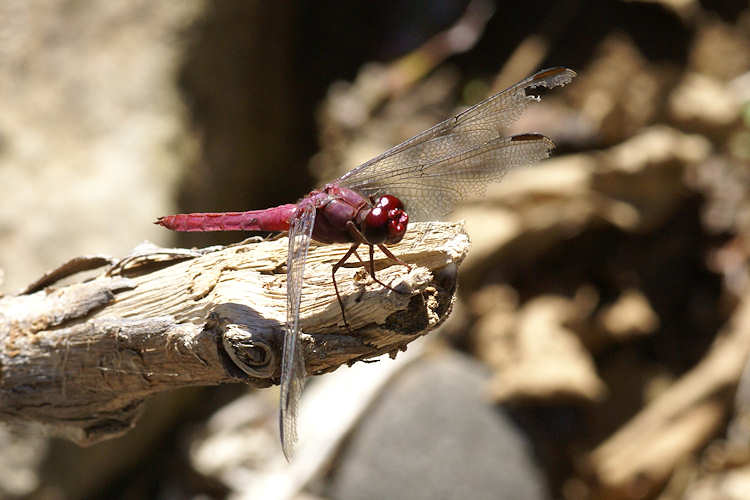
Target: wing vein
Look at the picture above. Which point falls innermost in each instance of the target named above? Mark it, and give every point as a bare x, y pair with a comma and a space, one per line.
464, 151
292, 359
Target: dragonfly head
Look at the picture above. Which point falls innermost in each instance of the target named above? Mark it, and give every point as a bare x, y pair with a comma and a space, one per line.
386, 222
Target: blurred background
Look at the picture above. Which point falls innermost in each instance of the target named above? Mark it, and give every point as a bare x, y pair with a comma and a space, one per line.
598, 344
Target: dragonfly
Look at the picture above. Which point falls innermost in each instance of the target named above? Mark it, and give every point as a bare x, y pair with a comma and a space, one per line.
421, 179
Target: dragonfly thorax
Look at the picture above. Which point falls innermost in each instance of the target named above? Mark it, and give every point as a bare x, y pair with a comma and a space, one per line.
386, 222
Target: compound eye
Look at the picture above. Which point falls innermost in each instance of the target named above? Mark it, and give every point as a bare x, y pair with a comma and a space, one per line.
389, 202
386, 222
377, 217
397, 222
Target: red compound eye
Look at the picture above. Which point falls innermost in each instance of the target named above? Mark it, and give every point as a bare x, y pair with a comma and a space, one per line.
389, 202
397, 222
386, 222
377, 218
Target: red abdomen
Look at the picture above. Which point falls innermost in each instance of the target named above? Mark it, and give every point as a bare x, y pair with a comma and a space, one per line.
271, 219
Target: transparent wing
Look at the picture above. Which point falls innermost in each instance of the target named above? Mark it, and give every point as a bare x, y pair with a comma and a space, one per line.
410, 170
431, 191
292, 360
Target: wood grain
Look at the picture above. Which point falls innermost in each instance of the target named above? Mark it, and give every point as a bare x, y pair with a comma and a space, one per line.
79, 359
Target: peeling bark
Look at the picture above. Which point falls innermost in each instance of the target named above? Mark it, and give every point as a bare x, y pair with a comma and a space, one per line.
81, 358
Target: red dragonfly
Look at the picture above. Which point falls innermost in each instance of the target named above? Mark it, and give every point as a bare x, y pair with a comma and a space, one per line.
421, 179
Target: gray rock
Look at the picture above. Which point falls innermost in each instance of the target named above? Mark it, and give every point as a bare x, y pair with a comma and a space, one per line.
432, 435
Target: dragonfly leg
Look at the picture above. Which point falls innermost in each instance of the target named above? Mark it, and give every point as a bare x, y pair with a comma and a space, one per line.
390, 255
336, 266
358, 236
371, 270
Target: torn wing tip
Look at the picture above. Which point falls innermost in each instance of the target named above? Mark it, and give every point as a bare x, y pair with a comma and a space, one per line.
533, 137
557, 76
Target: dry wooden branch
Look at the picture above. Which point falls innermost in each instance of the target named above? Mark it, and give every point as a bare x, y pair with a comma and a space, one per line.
81, 358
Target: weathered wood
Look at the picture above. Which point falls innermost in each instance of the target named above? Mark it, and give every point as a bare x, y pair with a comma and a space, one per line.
81, 358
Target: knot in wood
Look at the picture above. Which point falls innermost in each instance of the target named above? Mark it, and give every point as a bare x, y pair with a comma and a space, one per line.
254, 356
